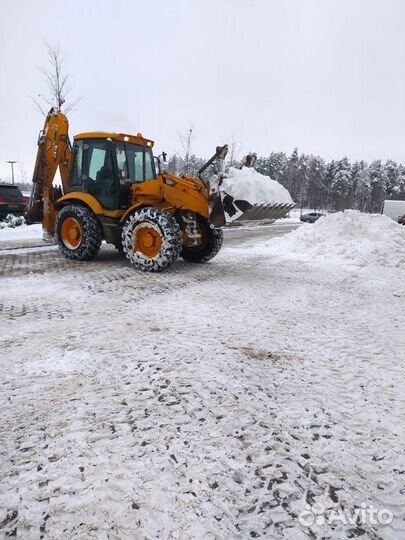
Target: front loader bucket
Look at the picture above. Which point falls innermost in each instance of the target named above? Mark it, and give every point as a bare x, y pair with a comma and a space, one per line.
238, 211
224, 209
262, 212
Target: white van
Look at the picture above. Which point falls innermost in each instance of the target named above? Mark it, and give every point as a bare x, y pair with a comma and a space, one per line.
393, 209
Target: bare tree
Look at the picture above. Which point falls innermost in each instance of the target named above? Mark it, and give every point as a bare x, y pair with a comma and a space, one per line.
185, 139
235, 148
57, 83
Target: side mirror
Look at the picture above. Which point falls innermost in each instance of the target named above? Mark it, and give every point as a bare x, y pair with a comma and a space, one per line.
158, 164
164, 156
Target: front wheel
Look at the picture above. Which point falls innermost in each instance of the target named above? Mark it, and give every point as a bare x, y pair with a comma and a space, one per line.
212, 240
151, 239
79, 233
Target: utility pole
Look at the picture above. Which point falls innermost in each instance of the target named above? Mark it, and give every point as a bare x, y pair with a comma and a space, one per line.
12, 170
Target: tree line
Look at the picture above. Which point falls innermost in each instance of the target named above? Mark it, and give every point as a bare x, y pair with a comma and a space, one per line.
318, 184
313, 182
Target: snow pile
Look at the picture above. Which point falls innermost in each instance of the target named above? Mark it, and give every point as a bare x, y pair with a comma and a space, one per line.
22, 232
362, 239
11, 222
249, 185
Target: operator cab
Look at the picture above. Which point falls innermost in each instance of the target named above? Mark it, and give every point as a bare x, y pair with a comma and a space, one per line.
106, 164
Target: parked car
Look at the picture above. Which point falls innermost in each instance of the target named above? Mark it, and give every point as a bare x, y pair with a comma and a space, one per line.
311, 217
11, 201
26, 197
401, 220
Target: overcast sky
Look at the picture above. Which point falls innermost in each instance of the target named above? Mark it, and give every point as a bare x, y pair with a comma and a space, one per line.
327, 76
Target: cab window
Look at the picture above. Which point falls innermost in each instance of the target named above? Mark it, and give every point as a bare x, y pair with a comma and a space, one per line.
76, 179
131, 163
97, 162
149, 165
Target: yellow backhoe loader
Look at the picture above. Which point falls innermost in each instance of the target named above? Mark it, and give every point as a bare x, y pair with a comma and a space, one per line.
113, 189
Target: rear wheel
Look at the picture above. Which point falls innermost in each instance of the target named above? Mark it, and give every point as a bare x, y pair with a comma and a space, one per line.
79, 233
212, 240
151, 239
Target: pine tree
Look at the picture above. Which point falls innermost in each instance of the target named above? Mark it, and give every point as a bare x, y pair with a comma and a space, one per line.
342, 183
328, 181
172, 164
378, 185
316, 191
194, 165
273, 165
398, 191
291, 175
391, 173
361, 185
303, 178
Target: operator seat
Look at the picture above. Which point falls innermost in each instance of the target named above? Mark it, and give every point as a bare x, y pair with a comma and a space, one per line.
106, 184
103, 174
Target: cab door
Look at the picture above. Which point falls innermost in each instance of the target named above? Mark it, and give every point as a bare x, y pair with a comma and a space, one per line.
99, 175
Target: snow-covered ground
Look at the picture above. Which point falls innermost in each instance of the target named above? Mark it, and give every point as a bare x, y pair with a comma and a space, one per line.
213, 401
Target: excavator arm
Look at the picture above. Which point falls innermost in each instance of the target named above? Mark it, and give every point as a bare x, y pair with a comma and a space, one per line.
54, 150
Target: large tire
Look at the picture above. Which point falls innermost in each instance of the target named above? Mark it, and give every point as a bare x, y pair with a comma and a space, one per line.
79, 233
151, 239
211, 245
